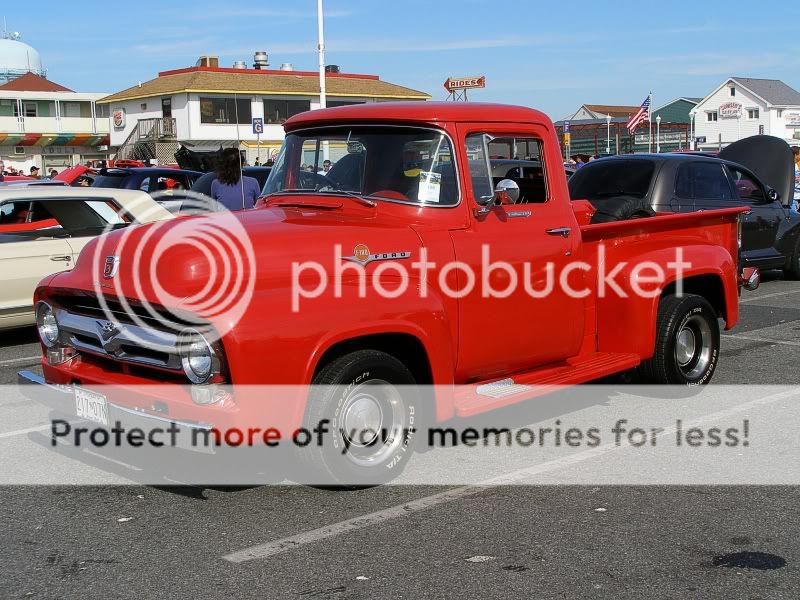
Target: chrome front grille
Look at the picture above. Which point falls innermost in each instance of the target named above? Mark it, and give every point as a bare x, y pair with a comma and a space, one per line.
120, 341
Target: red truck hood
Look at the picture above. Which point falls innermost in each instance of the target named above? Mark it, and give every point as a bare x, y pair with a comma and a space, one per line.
190, 257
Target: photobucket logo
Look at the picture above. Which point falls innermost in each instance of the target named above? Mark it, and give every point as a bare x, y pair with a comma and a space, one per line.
182, 272
397, 271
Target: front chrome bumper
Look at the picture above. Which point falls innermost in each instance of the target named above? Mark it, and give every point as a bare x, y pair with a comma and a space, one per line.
61, 399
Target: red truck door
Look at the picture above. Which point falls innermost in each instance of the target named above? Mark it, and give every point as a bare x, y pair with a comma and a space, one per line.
500, 335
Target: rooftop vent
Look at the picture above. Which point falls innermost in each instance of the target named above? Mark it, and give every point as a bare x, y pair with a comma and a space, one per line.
239, 64
260, 60
332, 68
287, 67
207, 61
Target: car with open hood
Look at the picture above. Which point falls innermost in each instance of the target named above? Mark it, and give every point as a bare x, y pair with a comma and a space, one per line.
755, 174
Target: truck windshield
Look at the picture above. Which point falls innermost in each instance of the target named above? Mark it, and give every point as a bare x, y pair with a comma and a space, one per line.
401, 164
605, 178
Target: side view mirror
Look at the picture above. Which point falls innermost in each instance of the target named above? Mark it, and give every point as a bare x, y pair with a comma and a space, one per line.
506, 192
773, 195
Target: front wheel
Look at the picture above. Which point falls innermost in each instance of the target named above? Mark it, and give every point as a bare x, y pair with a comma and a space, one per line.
687, 342
369, 406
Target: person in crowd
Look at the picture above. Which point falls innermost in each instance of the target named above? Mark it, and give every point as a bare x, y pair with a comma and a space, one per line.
270, 163
2, 170
231, 189
579, 162
84, 182
795, 206
258, 162
53, 173
34, 172
326, 166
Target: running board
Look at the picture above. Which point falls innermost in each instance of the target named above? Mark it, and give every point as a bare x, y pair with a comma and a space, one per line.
485, 396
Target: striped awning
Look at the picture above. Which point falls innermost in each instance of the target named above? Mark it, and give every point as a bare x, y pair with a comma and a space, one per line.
54, 139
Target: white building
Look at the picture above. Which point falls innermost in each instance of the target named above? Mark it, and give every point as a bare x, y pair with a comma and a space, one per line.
206, 106
47, 125
740, 107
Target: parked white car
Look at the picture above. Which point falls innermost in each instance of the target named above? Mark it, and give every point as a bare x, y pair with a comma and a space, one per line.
43, 229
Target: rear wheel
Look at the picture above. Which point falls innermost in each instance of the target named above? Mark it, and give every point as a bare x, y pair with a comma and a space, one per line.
687, 342
369, 404
792, 268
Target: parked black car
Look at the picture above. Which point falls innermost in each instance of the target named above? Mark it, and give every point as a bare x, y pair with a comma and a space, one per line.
203, 184
169, 182
757, 173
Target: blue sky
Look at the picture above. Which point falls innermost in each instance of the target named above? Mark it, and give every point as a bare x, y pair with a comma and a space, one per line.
549, 55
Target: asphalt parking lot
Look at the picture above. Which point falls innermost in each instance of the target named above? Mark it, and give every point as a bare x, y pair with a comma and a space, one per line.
536, 541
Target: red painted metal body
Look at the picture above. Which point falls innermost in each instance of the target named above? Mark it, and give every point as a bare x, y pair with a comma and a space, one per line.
553, 340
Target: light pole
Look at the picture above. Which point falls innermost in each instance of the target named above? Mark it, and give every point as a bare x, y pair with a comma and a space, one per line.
321, 52
691, 131
658, 134
608, 134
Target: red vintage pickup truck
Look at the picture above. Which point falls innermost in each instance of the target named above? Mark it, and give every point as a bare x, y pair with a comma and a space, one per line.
387, 251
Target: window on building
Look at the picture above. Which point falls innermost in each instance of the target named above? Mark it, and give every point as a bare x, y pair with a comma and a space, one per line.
712, 116
335, 103
143, 106
31, 109
224, 111
733, 91
752, 113
70, 109
780, 113
277, 111
102, 110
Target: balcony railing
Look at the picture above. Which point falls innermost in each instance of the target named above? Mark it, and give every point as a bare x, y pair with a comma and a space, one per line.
157, 129
53, 125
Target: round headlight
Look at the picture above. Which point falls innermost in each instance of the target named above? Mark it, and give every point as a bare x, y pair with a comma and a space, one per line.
46, 324
197, 356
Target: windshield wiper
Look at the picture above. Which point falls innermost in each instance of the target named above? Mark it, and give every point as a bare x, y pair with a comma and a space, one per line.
360, 198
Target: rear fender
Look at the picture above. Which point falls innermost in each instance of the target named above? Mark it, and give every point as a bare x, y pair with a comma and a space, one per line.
628, 324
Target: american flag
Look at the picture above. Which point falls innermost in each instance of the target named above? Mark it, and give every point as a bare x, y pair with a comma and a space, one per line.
643, 114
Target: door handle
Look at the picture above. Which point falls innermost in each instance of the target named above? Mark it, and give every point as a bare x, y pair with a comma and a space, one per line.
61, 258
562, 231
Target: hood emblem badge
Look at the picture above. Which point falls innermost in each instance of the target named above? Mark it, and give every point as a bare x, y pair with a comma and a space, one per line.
111, 266
363, 256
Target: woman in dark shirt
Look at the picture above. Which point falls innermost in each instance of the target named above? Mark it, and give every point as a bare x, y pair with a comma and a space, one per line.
231, 189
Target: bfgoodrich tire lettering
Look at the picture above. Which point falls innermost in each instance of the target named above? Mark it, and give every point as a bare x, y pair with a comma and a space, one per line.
687, 342
371, 407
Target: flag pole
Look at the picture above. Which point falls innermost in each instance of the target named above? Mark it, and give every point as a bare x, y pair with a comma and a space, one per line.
650, 124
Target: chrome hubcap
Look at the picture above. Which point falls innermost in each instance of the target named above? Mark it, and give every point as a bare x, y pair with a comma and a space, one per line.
693, 347
362, 420
684, 350
372, 421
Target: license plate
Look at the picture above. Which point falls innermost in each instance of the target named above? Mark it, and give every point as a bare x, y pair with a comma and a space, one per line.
91, 405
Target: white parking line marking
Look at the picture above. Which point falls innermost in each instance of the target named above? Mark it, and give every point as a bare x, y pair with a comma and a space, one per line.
773, 295
270, 549
19, 361
9, 434
753, 338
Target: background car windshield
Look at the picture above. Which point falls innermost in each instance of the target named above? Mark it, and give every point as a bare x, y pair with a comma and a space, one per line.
401, 164
110, 181
606, 178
